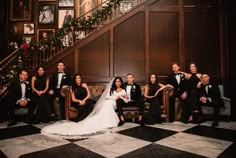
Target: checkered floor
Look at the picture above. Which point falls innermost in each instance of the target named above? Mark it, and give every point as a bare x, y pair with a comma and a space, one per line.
130, 140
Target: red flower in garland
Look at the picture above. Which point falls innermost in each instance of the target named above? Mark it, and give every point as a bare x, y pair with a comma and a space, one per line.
25, 47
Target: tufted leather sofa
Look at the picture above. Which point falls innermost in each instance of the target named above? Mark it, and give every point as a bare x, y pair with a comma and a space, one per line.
130, 112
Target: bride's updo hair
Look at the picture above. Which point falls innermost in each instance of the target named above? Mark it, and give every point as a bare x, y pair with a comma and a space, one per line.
113, 86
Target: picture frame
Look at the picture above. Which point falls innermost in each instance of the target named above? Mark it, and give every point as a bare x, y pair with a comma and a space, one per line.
47, 0
28, 39
125, 6
15, 33
20, 10
47, 14
66, 3
65, 16
28, 28
49, 32
86, 6
80, 35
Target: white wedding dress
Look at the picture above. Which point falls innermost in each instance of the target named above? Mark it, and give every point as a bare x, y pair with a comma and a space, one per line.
98, 121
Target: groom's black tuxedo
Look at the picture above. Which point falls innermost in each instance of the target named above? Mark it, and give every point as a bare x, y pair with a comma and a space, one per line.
136, 99
179, 89
57, 99
65, 80
135, 92
15, 94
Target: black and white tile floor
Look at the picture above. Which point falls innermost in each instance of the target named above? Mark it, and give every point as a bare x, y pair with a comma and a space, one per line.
165, 140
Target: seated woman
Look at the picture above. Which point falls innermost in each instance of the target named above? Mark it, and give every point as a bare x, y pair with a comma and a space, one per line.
80, 95
151, 92
101, 118
40, 84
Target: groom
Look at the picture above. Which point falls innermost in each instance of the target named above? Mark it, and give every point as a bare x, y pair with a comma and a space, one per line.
134, 97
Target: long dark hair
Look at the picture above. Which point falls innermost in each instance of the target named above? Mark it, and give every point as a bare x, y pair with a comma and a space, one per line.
74, 80
36, 71
113, 87
149, 80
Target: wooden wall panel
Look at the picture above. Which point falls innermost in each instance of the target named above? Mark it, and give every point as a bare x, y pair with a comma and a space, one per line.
129, 46
67, 58
202, 41
94, 57
164, 42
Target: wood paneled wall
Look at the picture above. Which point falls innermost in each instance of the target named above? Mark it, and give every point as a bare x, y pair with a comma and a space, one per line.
150, 38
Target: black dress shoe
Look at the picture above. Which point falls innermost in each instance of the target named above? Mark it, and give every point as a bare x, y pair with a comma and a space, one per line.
142, 123
215, 123
11, 123
121, 123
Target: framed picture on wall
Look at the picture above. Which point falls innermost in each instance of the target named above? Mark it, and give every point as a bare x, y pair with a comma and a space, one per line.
28, 39
66, 3
20, 10
28, 28
44, 33
85, 6
65, 16
47, 14
15, 33
125, 6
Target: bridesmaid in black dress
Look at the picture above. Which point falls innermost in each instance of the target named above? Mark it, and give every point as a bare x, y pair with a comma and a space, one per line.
40, 84
81, 98
151, 92
193, 83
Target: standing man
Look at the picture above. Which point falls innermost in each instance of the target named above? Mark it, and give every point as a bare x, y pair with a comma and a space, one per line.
177, 81
134, 97
67, 18
209, 95
59, 80
19, 97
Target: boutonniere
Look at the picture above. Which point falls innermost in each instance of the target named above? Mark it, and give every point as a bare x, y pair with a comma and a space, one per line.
134, 87
210, 86
64, 76
181, 75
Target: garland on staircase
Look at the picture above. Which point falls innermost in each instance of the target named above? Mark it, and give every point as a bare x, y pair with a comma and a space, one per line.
77, 23
97, 17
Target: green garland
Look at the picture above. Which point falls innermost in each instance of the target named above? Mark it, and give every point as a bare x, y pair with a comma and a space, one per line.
76, 23
97, 17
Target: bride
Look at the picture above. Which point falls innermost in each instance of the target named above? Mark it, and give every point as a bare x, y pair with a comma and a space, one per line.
100, 119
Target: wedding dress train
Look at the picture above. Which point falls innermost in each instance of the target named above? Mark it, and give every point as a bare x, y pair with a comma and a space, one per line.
99, 120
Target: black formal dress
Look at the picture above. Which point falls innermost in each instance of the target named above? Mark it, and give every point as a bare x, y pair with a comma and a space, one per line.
83, 110
41, 102
192, 98
154, 112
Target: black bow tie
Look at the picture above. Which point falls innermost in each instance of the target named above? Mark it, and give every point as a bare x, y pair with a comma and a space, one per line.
129, 84
177, 73
60, 72
23, 82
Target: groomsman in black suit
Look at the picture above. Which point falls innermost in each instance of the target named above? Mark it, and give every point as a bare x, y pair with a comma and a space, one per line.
58, 81
19, 97
177, 81
209, 95
134, 96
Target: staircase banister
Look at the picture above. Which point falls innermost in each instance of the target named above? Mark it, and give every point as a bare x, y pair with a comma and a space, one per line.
9, 56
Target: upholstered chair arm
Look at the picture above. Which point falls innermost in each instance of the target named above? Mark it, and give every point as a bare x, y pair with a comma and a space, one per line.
67, 93
167, 92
